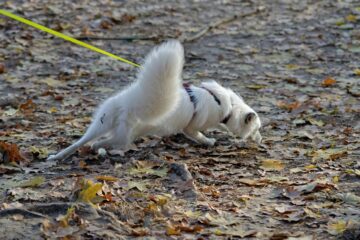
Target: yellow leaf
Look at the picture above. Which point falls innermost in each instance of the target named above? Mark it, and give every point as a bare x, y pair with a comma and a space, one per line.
161, 200
357, 71
340, 22
311, 213
272, 165
292, 66
335, 179
171, 230
106, 178
34, 182
351, 18
218, 232
310, 167
89, 190
40, 152
64, 220
52, 110
337, 227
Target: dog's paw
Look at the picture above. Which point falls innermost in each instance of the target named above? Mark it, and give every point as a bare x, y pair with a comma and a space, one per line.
96, 146
52, 158
209, 141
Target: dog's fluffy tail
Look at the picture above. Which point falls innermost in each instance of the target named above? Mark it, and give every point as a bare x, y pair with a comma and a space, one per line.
157, 89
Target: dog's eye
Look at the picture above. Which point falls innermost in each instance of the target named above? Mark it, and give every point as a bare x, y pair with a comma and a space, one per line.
249, 117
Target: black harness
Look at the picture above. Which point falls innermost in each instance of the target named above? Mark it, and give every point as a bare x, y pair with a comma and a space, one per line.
193, 99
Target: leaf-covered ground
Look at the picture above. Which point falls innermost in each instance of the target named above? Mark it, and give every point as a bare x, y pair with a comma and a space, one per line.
296, 62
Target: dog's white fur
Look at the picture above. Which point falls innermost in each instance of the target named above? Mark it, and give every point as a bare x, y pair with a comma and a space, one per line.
149, 99
157, 104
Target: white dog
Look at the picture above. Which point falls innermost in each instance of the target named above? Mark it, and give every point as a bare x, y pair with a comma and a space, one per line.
153, 96
157, 104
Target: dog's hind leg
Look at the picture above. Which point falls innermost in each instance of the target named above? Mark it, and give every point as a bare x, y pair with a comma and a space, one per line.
121, 138
95, 131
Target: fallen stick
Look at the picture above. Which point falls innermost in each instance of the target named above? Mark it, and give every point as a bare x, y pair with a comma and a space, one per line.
221, 22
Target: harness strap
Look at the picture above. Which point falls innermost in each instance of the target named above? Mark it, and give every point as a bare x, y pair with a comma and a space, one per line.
226, 119
193, 99
214, 96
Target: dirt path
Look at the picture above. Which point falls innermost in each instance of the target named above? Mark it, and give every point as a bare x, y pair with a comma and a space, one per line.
295, 62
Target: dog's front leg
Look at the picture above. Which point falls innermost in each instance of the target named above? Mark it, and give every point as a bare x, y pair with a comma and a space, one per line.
199, 137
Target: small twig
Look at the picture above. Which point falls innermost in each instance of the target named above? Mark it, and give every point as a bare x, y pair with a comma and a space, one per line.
130, 38
26, 213
221, 22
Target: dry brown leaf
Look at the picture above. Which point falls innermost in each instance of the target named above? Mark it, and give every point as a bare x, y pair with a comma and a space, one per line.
289, 106
139, 232
11, 151
28, 107
327, 82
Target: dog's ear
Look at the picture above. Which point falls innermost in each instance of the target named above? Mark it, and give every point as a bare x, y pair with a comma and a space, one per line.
249, 117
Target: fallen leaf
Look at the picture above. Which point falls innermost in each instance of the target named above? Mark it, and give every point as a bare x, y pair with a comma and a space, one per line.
139, 232
160, 172
272, 165
52, 110
42, 153
52, 82
337, 227
28, 107
172, 230
327, 82
106, 178
2, 68
64, 220
141, 186
351, 18
10, 112
289, 106
34, 182
10, 151
88, 191
313, 121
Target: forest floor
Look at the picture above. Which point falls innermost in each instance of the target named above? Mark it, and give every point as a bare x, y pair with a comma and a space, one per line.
296, 62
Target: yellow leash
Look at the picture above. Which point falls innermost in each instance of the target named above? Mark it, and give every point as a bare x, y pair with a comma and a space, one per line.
65, 37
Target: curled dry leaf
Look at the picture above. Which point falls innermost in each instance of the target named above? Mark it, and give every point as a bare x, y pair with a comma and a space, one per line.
10, 152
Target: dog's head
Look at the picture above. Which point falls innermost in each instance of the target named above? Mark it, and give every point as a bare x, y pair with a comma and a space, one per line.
243, 121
